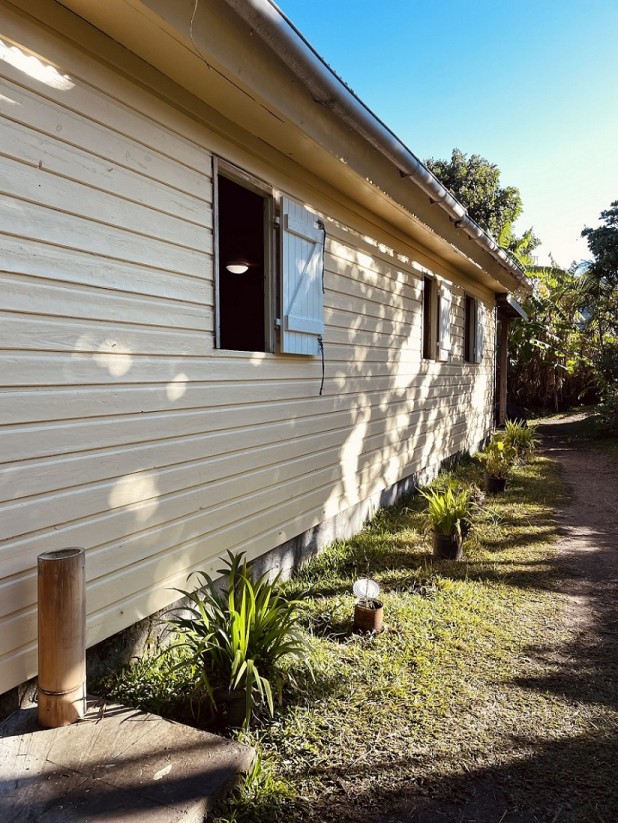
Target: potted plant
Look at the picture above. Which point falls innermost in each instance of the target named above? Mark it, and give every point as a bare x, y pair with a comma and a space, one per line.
499, 459
522, 436
235, 637
448, 517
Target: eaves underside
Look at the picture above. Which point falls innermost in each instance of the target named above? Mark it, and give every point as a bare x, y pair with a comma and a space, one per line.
220, 62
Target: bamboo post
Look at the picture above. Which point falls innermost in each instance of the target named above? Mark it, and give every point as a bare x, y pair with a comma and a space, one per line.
62, 637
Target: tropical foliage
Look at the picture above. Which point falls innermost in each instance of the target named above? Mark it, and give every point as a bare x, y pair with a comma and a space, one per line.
522, 438
499, 457
608, 412
234, 638
599, 293
475, 182
552, 357
568, 351
448, 511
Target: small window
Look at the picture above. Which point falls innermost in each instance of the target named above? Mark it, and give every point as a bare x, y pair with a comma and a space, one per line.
247, 270
469, 329
437, 300
244, 262
473, 330
429, 325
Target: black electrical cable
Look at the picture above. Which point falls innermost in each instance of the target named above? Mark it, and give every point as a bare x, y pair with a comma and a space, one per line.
321, 344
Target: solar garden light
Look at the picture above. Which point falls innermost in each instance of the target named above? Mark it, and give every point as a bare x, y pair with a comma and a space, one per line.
368, 610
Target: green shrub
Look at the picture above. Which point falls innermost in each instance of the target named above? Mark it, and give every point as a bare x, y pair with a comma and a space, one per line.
236, 637
522, 437
499, 457
608, 412
448, 511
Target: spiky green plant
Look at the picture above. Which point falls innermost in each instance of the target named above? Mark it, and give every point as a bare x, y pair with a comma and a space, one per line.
448, 511
522, 437
237, 636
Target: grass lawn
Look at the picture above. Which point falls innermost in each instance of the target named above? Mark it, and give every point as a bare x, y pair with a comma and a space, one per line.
446, 696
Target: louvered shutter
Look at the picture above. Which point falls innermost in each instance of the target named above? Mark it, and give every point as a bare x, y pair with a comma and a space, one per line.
480, 329
302, 259
444, 331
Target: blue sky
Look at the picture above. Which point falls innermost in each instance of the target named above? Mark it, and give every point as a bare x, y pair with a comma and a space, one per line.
532, 85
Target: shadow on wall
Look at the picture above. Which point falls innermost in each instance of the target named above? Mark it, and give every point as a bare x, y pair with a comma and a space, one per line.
164, 453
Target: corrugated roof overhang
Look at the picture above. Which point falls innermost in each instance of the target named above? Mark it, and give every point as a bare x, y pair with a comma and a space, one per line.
509, 308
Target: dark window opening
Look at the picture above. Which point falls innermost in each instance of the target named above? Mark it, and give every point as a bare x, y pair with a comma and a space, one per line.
427, 319
241, 238
469, 329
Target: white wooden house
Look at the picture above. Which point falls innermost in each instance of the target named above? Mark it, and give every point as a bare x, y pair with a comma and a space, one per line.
235, 309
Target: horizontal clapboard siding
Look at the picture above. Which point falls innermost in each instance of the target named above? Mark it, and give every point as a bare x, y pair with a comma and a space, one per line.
122, 429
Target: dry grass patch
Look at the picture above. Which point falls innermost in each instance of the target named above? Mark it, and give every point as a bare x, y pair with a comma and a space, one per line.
463, 687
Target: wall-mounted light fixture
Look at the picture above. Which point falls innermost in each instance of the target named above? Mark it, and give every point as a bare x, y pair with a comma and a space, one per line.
237, 266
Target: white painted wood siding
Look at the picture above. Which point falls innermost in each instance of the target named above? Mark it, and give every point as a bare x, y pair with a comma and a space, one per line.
121, 428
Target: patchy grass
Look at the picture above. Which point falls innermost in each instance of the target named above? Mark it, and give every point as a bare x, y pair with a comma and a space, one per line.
454, 692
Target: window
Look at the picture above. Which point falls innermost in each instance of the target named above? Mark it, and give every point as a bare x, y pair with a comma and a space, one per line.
428, 319
437, 300
473, 330
266, 290
469, 328
444, 321
244, 295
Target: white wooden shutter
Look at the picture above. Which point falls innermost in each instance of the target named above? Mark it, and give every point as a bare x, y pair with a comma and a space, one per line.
480, 329
444, 330
302, 258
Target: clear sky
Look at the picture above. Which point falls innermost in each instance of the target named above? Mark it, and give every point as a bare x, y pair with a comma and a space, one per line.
531, 85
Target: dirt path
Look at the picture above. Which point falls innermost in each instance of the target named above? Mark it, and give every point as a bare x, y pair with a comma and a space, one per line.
589, 551
582, 669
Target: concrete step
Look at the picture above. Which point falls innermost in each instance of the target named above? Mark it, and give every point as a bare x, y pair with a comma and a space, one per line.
114, 766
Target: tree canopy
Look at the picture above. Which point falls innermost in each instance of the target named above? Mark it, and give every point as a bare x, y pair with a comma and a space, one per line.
552, 356
603, 243
568, 352
598, 287
475, 182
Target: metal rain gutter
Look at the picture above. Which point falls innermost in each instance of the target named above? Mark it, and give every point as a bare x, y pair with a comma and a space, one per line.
280, 34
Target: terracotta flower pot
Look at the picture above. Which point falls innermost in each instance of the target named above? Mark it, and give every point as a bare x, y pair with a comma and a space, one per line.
447, 546
368, 620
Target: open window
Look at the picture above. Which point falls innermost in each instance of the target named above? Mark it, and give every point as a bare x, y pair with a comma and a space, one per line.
428, 319
473, 329
244, 261
248, 217
437, 302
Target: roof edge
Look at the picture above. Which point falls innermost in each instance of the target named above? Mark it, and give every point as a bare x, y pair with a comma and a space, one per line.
327, 89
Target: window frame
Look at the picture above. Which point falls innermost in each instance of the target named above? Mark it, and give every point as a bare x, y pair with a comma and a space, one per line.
474, 337
430, 309
470, 331
437, 316
223, 168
